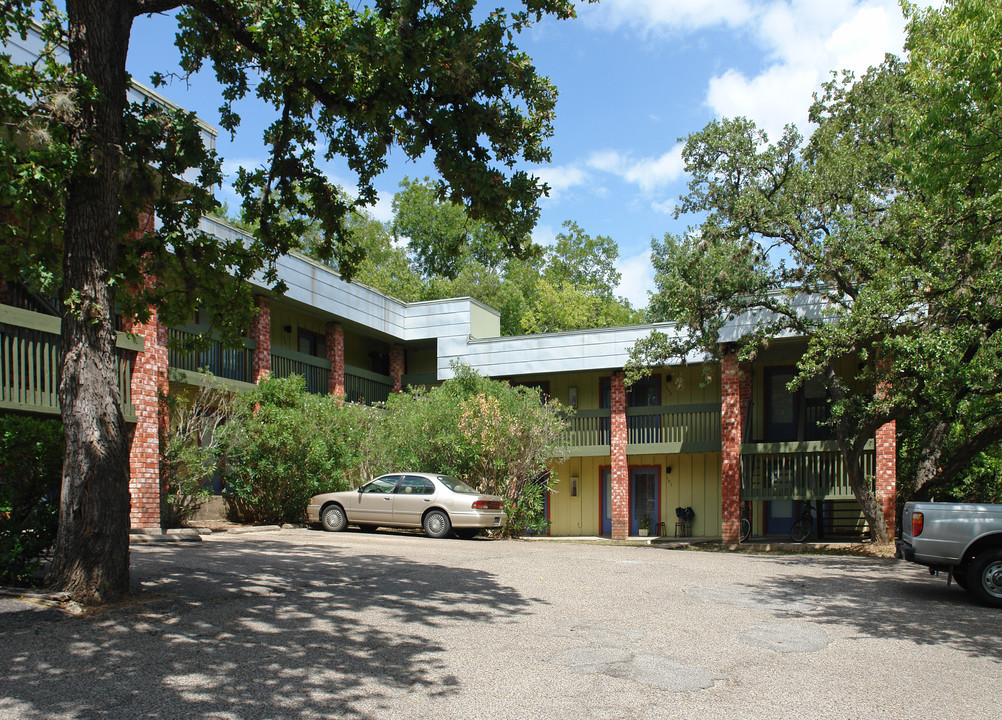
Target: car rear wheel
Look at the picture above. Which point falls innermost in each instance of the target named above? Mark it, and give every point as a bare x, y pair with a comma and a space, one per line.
984, 578
333, 519
436, 524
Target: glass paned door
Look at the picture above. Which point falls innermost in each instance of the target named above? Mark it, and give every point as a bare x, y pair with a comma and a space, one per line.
644, 497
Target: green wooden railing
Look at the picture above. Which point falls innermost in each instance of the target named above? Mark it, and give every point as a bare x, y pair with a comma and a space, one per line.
315, 370
663, 429
364, 386
223, 362
673, 428
589, 433
811, 470
29, 363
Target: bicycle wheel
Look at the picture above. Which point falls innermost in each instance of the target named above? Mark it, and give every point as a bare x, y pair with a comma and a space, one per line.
745, 529
801, 530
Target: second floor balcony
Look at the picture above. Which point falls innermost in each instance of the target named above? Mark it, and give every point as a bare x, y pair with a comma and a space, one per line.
669, 429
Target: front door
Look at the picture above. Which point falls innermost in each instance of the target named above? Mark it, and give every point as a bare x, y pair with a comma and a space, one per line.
373, 502
644, 498
606, 506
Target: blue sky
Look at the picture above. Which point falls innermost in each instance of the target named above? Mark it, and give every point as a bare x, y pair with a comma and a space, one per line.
634, 76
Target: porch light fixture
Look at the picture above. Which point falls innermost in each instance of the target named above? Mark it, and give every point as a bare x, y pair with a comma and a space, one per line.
287, 328
574, 486
572, 396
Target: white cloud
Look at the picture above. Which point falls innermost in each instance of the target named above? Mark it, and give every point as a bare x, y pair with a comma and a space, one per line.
805, 40
544, 235
649, 174
637, 278
654, 15
561, 178
383, 209
802, 42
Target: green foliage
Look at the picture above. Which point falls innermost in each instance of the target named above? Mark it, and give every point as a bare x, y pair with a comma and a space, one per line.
289, 445
31, 455
499, 438
442, 236
887, 217
189, 449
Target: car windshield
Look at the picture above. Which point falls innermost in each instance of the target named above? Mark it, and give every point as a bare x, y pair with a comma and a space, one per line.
456, 485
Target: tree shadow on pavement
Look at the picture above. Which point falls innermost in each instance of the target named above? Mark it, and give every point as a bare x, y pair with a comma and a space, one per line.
252, 630
882, 599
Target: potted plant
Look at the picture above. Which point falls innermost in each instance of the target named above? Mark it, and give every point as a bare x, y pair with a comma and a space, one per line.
645, 525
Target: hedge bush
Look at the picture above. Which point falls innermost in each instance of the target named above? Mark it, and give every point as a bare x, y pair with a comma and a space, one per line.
31, 460
288, 446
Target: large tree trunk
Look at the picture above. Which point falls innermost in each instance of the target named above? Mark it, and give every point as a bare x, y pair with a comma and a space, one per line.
91, 558
863, 491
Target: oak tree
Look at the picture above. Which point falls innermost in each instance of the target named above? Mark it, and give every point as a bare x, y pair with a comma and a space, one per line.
80, 164
877, 239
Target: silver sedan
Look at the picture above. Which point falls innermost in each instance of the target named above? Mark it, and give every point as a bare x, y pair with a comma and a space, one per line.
439, 504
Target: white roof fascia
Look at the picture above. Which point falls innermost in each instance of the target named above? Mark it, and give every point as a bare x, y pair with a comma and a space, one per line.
574, 351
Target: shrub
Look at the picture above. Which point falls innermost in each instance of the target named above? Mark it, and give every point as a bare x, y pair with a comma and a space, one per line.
499, 438
188, 450
31, 458
289, 445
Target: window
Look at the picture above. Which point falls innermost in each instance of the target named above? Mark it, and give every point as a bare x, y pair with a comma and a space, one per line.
311, 343
414, 485
381, 485
781, 406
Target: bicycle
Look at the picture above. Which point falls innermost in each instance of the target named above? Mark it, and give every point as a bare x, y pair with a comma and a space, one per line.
745, 523
804, 525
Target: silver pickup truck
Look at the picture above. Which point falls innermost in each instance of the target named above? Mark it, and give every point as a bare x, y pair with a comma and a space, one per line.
962, 539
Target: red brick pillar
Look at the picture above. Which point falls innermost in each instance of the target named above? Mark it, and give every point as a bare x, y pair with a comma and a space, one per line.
886, 442
620, 486
735, 391
335, 354
260, 333
149, 379
397, 367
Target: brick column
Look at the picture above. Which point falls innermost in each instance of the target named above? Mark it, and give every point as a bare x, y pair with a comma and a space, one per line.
397, 367
620, 485
335, 354
886, 443
260, 333
149, 379
735, 391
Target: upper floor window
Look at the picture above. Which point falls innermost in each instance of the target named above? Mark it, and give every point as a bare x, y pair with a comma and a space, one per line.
311, 343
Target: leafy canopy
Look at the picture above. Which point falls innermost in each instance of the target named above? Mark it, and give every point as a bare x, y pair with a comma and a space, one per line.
877, 238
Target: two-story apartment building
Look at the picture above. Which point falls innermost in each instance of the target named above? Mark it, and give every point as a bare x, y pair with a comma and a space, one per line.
705, 436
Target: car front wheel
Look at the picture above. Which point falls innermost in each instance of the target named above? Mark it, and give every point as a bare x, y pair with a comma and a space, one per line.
436, 524
333, 518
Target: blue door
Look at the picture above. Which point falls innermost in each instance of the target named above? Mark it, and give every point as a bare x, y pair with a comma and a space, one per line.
606, 505
644, 497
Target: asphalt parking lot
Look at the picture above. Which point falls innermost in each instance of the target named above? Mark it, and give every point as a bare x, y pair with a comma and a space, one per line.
305, 624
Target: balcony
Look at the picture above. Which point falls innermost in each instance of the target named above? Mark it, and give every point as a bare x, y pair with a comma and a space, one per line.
29, 363
363, 386
810, 470
669, 429
214, 359
316, 371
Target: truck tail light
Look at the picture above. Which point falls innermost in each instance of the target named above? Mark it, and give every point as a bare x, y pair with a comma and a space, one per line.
918, 520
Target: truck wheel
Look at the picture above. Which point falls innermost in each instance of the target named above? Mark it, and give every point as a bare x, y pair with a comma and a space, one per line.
984, 578
960, 576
